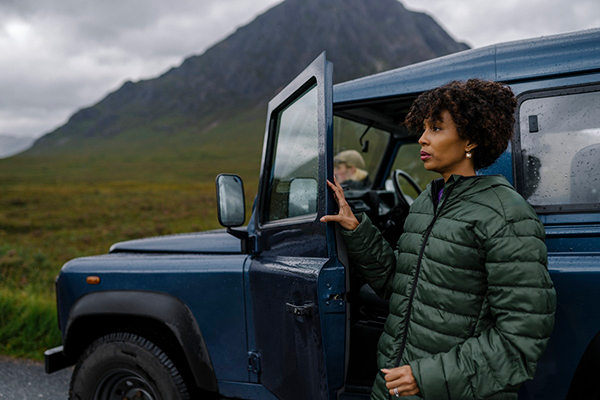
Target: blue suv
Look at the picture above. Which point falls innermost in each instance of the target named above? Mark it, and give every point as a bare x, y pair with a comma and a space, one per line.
272, 310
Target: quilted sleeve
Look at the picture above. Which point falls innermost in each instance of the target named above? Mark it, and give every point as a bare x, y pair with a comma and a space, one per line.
522, 302
371, 255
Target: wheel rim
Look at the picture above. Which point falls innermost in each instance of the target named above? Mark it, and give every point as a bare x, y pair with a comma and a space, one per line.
124, 384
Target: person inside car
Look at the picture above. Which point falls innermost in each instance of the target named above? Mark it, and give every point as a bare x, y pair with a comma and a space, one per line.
349, 170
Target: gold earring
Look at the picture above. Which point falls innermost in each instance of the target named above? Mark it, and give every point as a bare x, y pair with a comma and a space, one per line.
469, 155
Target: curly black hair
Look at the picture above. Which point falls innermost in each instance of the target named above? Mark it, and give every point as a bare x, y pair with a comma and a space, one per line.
483, 112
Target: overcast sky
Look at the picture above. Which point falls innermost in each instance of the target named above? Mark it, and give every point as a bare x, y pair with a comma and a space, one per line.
57, 56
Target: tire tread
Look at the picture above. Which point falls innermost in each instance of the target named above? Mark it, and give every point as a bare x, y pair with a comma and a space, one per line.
141, 342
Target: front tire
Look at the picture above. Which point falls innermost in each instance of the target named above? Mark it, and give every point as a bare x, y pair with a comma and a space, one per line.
124, 365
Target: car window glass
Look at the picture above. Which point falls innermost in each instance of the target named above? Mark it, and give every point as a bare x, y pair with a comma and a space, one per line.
353, 166
295, 158
408, 159
560, 145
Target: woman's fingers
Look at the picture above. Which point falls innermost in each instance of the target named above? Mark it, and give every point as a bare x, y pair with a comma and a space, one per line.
347, 222
335, 186
391, 375
401, 379
345, 217
338, 194
400, 382
409, 392
328, 218
402, 386
334, 189
337, 183
404, 389
340, 200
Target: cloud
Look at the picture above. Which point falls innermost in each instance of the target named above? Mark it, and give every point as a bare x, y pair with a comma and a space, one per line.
58, 56
488, 22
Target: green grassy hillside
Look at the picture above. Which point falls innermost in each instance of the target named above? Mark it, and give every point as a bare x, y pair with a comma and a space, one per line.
55, 208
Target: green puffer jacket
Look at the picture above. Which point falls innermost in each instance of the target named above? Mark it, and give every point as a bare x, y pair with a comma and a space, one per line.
470, 277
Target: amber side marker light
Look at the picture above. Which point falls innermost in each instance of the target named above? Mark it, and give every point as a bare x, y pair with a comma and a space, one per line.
93, 280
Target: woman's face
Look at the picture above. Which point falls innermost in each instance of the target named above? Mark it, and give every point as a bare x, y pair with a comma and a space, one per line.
442, 150
343, 172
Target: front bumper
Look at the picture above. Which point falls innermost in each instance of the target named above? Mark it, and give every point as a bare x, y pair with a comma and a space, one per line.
55, 360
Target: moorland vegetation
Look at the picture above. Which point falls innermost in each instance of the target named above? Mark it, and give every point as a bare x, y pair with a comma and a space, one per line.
56, 208
142, 161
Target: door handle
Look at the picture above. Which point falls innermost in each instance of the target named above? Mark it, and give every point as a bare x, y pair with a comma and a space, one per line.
304, 309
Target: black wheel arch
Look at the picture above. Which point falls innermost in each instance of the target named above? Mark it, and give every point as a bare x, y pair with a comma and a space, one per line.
159, 317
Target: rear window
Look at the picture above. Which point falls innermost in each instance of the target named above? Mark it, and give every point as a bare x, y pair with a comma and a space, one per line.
560, 149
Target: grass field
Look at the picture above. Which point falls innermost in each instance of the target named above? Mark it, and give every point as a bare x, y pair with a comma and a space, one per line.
60, 206
78, 200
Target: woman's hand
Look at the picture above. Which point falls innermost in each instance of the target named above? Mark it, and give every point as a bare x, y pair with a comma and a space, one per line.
345, 217
402, 380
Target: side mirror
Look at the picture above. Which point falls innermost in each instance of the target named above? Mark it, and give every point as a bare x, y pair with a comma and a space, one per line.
303, 197
231, 207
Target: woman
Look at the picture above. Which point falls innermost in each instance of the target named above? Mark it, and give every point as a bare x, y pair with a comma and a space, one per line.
471, 301
349, 169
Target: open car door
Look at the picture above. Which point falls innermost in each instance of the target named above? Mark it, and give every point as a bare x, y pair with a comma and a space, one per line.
296, 282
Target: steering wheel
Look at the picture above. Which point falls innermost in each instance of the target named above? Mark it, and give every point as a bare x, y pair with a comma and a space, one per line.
393, 227
396, 175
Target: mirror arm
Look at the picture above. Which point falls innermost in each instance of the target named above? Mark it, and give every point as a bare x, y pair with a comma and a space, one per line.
365, 145
246, 241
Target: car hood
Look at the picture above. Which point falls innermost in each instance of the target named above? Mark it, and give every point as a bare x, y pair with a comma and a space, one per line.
215, 242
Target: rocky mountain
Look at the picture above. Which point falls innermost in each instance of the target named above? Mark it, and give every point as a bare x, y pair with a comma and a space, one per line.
246, 69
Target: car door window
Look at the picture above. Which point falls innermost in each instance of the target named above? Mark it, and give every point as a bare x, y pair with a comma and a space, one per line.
293, 180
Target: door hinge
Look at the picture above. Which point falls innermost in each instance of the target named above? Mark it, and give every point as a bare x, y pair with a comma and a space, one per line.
253, 362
